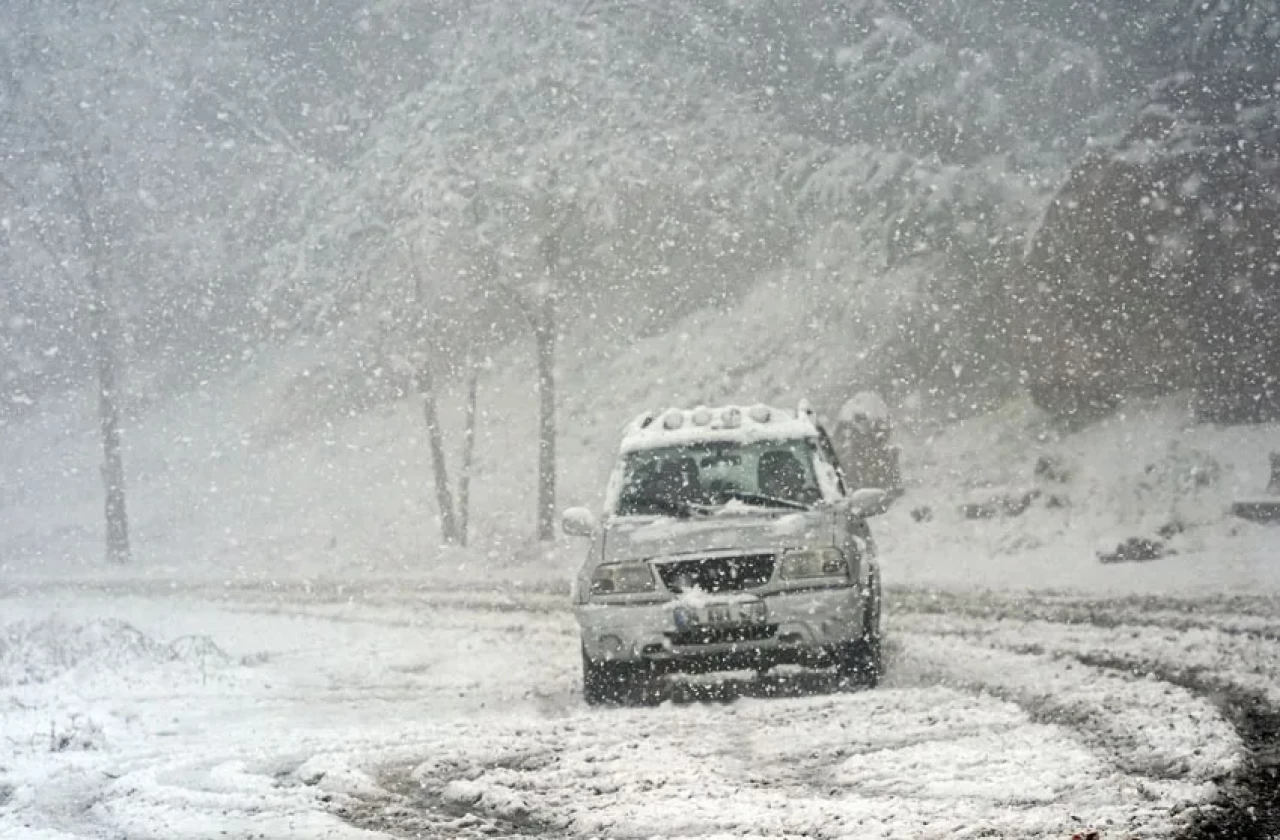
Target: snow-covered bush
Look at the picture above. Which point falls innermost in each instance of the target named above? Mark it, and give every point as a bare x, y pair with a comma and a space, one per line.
79, 733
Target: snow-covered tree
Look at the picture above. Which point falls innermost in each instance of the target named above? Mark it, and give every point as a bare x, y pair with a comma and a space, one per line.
668, 178
1158, 263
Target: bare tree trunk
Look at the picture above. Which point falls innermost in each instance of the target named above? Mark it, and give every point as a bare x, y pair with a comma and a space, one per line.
117, 517
435, 438
545, 335
468, 447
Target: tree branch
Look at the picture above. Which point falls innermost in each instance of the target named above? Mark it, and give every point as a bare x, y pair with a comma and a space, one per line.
41, 238
279, 138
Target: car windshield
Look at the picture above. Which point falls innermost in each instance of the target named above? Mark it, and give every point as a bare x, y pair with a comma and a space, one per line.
679, 480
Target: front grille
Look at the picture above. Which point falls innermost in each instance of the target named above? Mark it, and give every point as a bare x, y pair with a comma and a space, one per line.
717, 574
723, 635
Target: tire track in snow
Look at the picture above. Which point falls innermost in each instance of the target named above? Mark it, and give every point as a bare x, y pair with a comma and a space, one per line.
1222, 659
1247, 807
1257, 616
1155, 733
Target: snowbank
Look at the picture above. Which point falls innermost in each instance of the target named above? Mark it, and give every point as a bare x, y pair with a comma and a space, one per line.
43, 651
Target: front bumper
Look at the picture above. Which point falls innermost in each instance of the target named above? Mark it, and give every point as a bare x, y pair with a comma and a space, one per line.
802, 627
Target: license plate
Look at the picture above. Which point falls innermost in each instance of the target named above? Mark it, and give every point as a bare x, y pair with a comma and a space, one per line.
731, 614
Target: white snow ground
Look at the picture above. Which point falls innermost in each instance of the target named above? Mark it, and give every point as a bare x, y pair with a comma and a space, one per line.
389, 713
292, 656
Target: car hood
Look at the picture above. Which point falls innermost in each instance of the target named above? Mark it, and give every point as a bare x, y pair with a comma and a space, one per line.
634, 539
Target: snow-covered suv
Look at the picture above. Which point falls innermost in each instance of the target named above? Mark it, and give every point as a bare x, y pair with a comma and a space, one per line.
728, 541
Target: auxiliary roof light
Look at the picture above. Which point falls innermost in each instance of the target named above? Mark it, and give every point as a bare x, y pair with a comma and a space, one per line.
673, 420
701, 416
731, 418
760, 413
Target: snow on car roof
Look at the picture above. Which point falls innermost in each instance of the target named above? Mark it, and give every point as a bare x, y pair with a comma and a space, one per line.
738, 423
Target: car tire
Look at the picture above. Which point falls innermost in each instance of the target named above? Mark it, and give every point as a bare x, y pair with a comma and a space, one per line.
860, 663
615, 683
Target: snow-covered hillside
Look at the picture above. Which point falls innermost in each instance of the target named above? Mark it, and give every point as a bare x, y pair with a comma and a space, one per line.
272, 476
1149, 472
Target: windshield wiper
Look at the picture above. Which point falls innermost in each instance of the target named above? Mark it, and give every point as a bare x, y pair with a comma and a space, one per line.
763, 500
672, 507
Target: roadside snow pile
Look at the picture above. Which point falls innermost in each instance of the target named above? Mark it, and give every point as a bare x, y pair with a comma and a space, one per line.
490, 800
1138, 501
333, 773
33, 653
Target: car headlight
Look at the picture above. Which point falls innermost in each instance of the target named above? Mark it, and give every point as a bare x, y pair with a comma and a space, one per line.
814, 563
622, 578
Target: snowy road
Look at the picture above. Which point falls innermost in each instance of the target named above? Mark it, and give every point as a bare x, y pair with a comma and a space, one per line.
406, 713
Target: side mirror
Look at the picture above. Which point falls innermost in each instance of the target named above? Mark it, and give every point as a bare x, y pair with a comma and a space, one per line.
869, 501
578, 522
